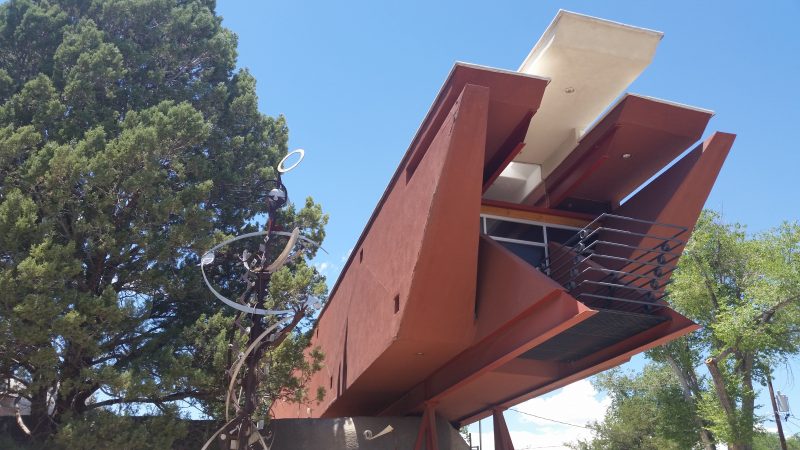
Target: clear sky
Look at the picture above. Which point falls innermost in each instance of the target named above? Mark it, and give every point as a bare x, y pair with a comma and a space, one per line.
354, 80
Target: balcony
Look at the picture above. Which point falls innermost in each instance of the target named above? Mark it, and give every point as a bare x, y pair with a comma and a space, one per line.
618, 266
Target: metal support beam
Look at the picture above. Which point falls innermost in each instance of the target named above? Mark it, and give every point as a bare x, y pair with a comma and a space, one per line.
502, 438
427, 438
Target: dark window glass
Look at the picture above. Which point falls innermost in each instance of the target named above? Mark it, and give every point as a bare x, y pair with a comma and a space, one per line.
532, 254
514, 230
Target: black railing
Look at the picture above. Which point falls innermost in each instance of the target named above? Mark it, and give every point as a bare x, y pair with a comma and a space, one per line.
617, 262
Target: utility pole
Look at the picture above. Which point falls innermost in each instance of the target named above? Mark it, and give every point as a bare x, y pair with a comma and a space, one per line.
480, 436
775, 410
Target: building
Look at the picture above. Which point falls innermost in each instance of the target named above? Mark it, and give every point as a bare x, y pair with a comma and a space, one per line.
525, 240
10, 402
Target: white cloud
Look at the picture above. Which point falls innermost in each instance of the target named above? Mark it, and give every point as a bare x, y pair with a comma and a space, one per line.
528, 440
578, 404
325, 267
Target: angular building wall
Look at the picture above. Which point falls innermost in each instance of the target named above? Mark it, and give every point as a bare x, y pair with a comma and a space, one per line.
435, 311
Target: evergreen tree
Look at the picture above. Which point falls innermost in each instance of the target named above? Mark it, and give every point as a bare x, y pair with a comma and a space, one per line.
129, 144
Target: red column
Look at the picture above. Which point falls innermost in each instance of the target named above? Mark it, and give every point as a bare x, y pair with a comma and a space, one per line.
427, 438
502, 438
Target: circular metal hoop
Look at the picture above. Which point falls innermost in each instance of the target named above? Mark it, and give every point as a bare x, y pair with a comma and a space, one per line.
283, 169
208, 257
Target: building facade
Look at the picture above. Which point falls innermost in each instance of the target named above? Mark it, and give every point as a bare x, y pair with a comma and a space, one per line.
526, 239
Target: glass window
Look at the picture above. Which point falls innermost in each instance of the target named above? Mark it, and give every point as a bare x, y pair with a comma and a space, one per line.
521, 233
514, 230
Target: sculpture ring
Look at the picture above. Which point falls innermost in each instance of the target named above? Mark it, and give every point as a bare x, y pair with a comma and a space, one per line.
284, 169
208, 257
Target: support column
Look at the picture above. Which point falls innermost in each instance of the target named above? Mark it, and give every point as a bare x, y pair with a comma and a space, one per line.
427, 437
502, 438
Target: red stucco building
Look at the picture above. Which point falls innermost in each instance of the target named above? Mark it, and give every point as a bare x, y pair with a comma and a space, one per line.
525, 240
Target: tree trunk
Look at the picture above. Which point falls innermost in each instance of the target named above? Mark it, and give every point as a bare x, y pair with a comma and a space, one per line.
39, 422
690, 390
741, 440
719, 388
747, 417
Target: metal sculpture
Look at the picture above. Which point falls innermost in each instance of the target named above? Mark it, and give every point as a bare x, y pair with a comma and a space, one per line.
242, 429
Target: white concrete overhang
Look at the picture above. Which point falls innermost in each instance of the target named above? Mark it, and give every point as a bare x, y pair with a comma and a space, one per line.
514, 182
590, 63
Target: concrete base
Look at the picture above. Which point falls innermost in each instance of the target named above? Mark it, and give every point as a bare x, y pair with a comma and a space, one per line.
350, 433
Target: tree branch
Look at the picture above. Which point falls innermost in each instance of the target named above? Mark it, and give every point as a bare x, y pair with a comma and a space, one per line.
722, 355
719, 386
20, 422
766, 316
167, 398
707, 281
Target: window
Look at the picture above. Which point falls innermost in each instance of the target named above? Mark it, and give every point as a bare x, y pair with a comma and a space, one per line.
526, 239
514, 230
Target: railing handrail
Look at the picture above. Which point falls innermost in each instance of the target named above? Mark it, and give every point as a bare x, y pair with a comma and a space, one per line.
583, 235
639, 274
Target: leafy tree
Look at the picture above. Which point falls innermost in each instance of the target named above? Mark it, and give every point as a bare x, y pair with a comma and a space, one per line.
647, 412
744, 291
764, 440
129, 144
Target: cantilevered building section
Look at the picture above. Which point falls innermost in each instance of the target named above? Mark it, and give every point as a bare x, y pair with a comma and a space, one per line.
525, 240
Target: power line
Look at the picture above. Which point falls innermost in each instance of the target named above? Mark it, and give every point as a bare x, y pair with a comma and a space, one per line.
789, 420
544, 446
551, 420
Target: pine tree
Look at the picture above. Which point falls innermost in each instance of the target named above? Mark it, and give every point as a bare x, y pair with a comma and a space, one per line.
129, 144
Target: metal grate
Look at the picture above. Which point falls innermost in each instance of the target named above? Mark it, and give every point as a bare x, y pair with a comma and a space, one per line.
600, 331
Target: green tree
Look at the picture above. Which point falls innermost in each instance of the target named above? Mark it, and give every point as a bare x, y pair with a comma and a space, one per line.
744, 291
764, 440
647, 412
129, 144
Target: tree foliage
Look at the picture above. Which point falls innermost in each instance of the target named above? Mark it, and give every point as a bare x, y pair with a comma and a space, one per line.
744, 292
129, 144
764, 440
647, 412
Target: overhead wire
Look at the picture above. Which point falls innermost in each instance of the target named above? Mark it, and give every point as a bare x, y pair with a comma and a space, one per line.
548, 419
543, 446
793, 422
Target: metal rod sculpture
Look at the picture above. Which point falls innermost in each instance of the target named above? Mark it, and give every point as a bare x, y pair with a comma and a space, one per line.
241, 431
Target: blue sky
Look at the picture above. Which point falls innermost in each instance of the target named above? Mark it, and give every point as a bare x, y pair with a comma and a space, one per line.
354, 79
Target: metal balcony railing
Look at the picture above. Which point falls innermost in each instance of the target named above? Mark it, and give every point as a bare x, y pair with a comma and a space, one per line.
617, 262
